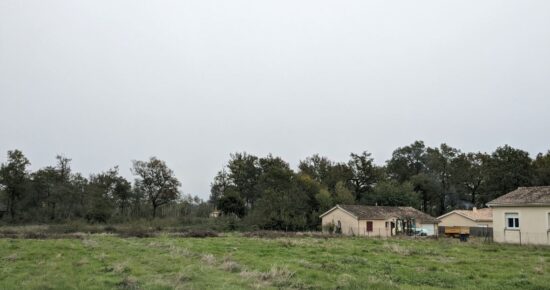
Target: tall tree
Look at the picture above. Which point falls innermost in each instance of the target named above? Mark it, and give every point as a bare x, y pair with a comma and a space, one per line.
122, 194
507, 169
231, 203
244, 171
342, 195
156, 181
428, 190
318, 167
392, 193
365, 174
407, 161
13, 176
439, 162
468, 173
219, 186
541, 167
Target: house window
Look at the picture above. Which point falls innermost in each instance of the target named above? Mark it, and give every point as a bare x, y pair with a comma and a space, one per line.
387, 224
512, 221
369, 226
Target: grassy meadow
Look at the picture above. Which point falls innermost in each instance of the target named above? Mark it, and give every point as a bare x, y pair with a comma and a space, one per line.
236, 261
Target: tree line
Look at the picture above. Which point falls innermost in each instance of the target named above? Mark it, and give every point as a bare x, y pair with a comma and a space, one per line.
55, 193
265, 192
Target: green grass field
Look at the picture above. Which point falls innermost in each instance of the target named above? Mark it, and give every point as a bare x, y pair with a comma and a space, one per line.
103, 261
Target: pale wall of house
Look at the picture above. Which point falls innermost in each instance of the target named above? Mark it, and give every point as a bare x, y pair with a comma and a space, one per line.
378, 228
350, 225
454, 220
533, 225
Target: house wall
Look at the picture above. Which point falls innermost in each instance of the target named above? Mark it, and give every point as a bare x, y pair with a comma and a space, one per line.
350, 225
534, 225
378, 228
455, 219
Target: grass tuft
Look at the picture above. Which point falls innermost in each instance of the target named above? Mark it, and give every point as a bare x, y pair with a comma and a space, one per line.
208, 259
129, 282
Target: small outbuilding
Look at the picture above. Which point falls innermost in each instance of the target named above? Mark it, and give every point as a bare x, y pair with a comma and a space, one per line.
522, 216
480, 218
381, 221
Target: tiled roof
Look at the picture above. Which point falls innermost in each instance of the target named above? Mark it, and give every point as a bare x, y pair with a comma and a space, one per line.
384, 212
536, 195
478, 215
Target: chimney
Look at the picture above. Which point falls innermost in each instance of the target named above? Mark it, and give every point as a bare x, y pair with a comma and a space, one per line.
474, 209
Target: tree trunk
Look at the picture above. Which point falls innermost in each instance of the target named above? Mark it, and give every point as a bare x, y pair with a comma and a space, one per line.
12, 206
154, 210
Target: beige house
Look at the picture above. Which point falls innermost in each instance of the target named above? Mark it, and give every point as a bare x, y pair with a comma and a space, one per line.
482, 218
522, 216
381, 221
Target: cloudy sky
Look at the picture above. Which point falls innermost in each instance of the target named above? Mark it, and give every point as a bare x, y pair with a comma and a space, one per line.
106, 82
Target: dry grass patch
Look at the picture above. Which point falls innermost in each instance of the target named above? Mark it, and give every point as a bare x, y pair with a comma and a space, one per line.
81, 262
397, 249
89, 243
208, 259
278, 276
121, 268
231, 266
129, 282
11, 257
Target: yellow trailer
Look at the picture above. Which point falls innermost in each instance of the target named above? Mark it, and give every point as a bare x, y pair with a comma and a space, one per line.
457, 231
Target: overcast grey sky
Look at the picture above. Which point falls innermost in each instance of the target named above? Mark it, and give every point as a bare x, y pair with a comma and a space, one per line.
107, 82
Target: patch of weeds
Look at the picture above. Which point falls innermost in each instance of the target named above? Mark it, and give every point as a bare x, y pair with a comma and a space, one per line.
11, 257
121, 268
355, 260
330, 266
81, 262
184, 277
231, 266
89, 243
397, 249
177, 251
287, 243
208, 259
279, 276
129, 282
519, 283
387, 269
308, 264
344, 281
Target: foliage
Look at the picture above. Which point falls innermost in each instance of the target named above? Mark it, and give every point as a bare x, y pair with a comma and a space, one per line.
264, 192
13, 175
392, 193
231, 204
157, 181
